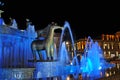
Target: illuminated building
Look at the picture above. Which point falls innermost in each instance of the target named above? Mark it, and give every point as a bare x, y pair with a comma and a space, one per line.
109, 43
15, 50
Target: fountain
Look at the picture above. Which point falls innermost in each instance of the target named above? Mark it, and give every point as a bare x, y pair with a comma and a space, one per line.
48, 61
61, 67
93, 62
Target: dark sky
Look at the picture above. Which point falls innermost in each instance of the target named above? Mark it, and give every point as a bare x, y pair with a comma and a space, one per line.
85, 19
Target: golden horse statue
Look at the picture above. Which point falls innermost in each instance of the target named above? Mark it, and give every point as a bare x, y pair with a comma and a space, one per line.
45, 43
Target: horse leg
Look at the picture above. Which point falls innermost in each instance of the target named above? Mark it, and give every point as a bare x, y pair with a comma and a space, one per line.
34, 55
52, 51
40, 55
48, 53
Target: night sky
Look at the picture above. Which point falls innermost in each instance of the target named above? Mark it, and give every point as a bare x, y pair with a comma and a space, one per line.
86, 19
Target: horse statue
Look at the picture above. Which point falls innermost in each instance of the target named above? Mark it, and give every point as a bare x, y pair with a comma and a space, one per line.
45, 41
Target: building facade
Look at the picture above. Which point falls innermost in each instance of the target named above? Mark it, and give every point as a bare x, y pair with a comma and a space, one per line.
15, 45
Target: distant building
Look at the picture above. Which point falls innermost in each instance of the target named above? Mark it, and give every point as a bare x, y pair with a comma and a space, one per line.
109, 43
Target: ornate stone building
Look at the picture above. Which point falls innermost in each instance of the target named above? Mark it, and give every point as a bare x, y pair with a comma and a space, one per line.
15, 45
